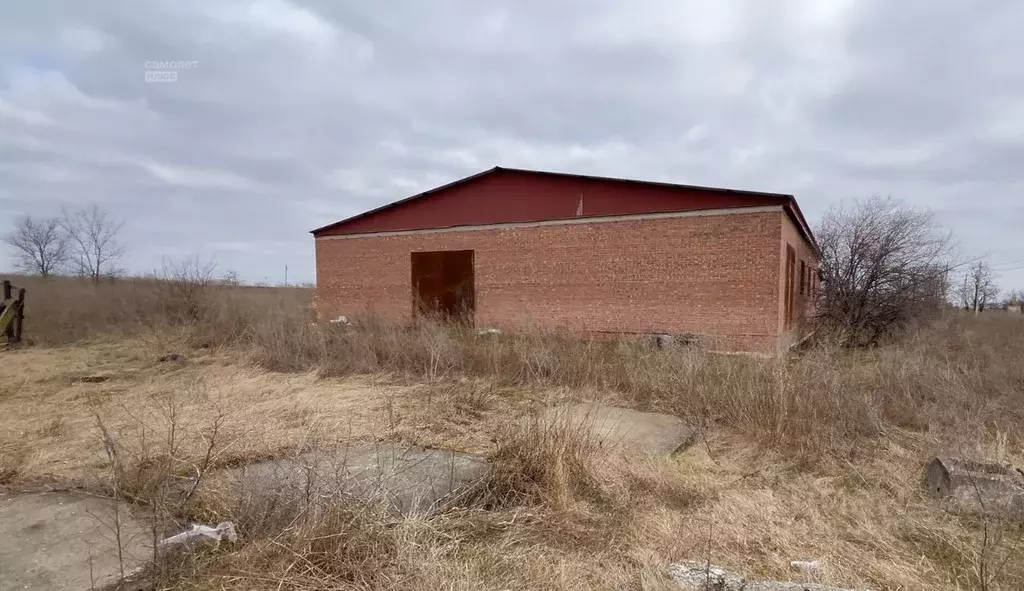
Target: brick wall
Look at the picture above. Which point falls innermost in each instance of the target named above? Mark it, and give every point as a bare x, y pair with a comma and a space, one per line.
803, 299
712, 274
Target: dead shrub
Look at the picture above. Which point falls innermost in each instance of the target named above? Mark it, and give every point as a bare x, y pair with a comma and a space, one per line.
349, 545
884, 267
184, 289
553, 462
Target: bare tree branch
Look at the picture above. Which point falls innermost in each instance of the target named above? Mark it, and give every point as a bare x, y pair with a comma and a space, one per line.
41, 246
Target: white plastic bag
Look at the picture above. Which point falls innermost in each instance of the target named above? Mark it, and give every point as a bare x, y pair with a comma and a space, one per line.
199, 532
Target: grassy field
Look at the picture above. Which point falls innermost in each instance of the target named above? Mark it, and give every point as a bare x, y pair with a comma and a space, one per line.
817, 456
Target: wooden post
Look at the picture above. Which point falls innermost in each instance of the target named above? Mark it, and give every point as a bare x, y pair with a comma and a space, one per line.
9, 330
20, 318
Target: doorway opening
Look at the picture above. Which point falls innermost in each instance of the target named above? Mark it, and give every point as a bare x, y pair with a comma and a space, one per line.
442, 285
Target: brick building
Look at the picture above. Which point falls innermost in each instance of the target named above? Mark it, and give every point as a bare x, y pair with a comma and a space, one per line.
591, 255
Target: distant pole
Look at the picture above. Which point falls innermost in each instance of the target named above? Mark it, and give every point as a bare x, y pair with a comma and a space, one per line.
286, 274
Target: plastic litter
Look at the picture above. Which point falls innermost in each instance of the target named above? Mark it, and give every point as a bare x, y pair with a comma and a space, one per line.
199, 532
805, 564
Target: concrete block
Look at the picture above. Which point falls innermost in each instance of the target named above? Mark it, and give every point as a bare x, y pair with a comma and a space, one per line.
980, 486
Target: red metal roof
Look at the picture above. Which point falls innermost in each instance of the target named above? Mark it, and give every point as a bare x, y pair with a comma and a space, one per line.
503, 195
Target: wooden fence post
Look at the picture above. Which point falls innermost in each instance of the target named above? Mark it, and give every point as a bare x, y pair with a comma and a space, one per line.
9, 329
20, 318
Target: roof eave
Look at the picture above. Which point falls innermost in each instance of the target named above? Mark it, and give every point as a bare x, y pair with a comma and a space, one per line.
802, 226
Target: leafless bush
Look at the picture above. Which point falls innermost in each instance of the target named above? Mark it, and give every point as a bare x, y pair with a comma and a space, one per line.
186, 286
884, 265
157, 462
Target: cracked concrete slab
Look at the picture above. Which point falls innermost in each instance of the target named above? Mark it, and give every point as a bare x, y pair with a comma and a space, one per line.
627, 429
407, 478
67, 541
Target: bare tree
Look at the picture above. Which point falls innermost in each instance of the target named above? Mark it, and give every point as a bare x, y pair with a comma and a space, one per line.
40, 245
1014, 298
978, 288
231, 278
92, 234
884, 265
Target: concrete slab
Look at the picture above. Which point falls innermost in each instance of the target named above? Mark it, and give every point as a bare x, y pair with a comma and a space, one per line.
406, 478
627, 429
50, 539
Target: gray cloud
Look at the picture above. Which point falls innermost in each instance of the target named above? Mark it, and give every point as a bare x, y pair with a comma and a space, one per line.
301, 112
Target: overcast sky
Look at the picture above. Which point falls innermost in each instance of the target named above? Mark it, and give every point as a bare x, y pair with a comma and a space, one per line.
292, 114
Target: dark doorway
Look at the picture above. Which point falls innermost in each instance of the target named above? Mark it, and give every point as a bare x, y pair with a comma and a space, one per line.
442, 285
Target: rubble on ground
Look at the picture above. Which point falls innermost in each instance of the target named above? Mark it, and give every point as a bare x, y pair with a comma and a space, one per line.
699, 576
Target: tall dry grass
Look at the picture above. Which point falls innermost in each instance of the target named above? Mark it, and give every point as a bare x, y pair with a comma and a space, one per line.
64, 310
960, 375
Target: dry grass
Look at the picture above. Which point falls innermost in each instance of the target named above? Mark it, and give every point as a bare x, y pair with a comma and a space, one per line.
48, 413
63, 310
828, 403
543, 462
814, 457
